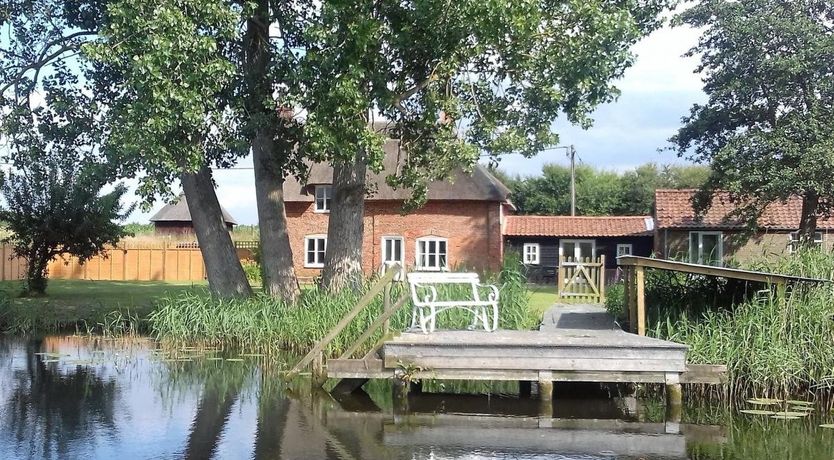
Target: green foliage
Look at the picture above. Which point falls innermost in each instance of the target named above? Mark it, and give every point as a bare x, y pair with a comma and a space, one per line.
269, 325
600, 192
252, 268
772, 345
162, 63
54, 202
767, 126
455, 79
136, 229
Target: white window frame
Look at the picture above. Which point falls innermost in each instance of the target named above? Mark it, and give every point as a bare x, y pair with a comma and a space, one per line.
701, 246
324, 195
323, 251
576, 251
793, 239
531, 253
418, 254
385, 258
620, 246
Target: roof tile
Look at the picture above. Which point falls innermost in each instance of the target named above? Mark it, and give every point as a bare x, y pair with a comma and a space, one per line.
579, 226
673, 209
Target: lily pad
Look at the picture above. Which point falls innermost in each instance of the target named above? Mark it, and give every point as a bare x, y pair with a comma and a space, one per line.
830, 426
763, 402
799, 403
758, 412
785, 417
234, 359
253, 355
214, 358
802, 408
47, 361
793, 414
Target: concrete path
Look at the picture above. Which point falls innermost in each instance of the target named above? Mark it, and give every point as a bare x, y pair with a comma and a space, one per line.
588, 317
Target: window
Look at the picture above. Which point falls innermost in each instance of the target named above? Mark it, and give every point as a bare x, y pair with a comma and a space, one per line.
706, 248
624, 249
323, 195
793, 244
531, 253
314, 248
431, 254
577, 249
392, 249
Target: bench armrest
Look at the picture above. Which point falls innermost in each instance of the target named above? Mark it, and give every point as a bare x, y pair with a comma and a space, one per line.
430, 297
493, 292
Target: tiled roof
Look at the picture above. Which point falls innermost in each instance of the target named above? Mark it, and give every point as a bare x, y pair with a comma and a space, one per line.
673, 209
582, 226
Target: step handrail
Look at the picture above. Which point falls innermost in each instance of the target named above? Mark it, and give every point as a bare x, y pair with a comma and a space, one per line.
363, 302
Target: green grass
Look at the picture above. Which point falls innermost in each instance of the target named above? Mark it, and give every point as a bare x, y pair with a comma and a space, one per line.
542, 297
84, 304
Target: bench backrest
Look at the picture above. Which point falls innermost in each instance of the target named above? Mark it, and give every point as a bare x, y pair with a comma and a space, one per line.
442, 278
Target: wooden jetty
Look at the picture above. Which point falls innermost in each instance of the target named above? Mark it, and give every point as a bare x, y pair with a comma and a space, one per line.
576, 343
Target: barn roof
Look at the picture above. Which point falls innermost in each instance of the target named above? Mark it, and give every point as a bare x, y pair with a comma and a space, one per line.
177, 211
673, 209
479, 185
579, 226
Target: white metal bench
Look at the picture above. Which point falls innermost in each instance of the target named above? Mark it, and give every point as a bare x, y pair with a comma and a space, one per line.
427, 304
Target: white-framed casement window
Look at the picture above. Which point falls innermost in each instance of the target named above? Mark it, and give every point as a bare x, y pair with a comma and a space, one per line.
432, 253
624, 249
393, 249
706, 248
578, 249
323, 195
793, 243
531, 253
315, 247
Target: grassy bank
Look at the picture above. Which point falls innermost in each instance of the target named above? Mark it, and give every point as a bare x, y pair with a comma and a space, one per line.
771, 345
85, 306
268, 325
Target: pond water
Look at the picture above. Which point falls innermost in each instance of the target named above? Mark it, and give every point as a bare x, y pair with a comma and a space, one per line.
67, 397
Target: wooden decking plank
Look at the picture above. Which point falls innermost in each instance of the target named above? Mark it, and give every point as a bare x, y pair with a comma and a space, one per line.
560, 364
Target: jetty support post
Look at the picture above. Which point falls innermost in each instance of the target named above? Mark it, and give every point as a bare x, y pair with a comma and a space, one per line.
674, 402
319, 372
640, 273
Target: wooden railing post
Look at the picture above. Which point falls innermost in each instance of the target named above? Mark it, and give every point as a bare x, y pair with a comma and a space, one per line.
386, 305
601, 283
641, 301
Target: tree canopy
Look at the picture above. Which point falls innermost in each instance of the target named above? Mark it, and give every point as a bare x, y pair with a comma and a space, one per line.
600, 192
767, 128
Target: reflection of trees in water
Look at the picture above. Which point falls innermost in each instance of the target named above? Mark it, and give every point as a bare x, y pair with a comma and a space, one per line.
47, 411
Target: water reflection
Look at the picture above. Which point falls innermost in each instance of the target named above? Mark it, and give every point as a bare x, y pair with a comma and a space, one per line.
72, 397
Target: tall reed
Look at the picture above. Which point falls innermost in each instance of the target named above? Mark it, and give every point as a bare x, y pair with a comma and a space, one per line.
268, 325
772, 344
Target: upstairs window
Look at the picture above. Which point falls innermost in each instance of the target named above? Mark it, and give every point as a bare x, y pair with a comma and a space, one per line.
706, 248
323, 195
432, 254
793, 245
531, 253
315, 247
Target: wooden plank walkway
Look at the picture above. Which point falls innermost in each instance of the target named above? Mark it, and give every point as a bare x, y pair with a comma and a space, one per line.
574, 343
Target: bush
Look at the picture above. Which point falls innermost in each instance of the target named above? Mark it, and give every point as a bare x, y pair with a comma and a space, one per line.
253, 271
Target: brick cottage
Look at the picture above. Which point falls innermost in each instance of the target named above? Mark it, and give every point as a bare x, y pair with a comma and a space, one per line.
459, 227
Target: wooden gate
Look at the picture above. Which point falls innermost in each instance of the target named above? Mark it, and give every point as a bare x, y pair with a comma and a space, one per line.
582, 279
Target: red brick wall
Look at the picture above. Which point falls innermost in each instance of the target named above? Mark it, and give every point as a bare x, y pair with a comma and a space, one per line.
473, 230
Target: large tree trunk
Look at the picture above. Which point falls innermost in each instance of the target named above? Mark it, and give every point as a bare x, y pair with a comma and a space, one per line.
808, 219
343, 259
225, 274
269, 158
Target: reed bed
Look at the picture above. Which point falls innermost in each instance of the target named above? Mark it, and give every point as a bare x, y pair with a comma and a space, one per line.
268, 325
772, 345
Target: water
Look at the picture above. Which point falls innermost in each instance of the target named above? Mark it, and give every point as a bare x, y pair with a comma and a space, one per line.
72, 397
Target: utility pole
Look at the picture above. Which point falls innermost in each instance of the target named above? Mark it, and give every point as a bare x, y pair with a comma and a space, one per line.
572, 154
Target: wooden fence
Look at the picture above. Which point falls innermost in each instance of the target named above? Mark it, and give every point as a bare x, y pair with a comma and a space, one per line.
582, 279
127, 262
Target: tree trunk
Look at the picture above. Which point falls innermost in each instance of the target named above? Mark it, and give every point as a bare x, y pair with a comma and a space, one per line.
209, 421
36, 276
225, 275
269, 158
343, 259
808, 219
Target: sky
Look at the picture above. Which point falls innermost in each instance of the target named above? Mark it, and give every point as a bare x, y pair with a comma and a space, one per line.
656, 92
